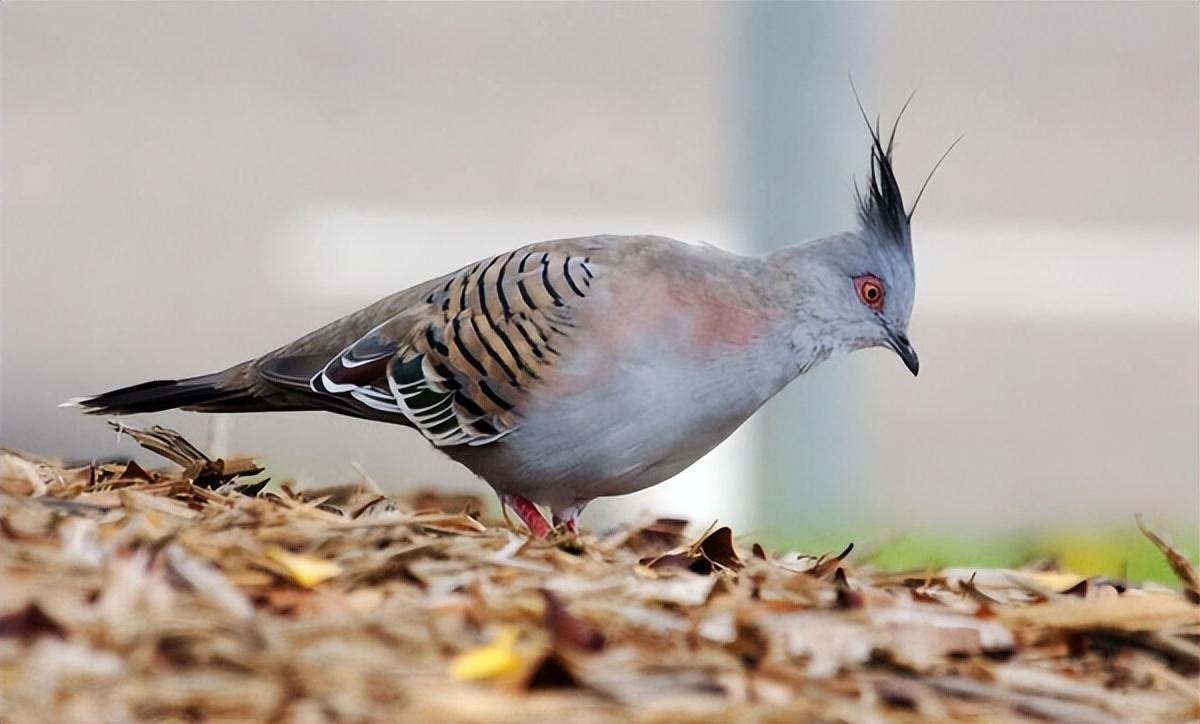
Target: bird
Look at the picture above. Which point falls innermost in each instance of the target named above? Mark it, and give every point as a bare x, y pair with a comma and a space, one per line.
573, 369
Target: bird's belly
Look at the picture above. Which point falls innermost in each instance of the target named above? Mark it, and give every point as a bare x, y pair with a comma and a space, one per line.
628, 431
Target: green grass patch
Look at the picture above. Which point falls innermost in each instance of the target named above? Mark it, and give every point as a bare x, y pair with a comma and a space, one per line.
1116, 552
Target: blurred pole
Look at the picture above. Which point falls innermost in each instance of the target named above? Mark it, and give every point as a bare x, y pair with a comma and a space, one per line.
220, 432
798, 149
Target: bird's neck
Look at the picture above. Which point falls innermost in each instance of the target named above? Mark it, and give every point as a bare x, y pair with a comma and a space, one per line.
798, 285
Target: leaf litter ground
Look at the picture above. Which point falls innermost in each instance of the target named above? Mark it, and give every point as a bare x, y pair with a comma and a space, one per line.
192, 595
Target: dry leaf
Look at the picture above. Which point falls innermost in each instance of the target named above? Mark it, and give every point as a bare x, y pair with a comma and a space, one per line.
566, 629
713, 551
1179, 563
29, 623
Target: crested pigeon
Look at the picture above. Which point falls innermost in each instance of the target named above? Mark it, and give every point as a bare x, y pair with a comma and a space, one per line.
578, 368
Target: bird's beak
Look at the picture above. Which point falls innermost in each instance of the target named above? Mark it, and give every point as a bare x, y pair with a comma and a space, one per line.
900, 344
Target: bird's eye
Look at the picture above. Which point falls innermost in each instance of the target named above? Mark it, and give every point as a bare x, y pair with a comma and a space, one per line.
870, 290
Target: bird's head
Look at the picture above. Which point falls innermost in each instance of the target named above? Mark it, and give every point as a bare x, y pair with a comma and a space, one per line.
867, 293
862, 282
875, 264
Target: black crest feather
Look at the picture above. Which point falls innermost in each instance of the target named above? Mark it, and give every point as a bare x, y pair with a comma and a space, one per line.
881, 207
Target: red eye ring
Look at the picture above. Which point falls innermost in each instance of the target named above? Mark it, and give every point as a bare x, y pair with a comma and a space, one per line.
870, 290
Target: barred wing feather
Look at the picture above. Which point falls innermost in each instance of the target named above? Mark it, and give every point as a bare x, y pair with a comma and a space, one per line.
457, 364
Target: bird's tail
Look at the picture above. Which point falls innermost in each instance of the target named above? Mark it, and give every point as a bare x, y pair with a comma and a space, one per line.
227, 391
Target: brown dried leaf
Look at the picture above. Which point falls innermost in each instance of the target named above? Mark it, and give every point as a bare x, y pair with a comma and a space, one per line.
566, 629
552, 672
826, 565
710, 552
1178, 561
29, 623
133, 471
718, 548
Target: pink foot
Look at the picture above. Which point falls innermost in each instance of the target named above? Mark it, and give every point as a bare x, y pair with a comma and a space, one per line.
529, 515
568, 517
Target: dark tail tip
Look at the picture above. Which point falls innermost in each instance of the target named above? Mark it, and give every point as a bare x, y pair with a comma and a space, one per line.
156, 396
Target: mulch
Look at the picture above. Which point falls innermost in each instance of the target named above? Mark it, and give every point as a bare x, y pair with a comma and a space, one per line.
197, 593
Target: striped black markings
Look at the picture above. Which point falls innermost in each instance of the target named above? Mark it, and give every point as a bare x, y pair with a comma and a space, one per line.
525, 297
483, 427
474, 279
533, 346
541, 333
512, 350
434, 343
497, 329
499, 401
464, 285
504, 308
468, 404
448, 379
487, 347
512, 323
558, 302
482, 287
462, 349
570, 281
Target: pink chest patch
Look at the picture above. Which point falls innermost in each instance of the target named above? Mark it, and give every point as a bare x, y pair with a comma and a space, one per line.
699, 319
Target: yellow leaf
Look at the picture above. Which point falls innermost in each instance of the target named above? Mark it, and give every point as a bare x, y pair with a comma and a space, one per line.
305, 570
488, 662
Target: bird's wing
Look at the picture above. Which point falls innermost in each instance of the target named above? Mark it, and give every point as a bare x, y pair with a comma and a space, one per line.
456, 362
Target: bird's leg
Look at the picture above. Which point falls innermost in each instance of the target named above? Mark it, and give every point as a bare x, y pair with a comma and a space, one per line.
567, 517
568, 524
529, 515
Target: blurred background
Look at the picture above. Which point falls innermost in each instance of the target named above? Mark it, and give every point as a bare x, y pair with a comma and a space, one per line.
189, 185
